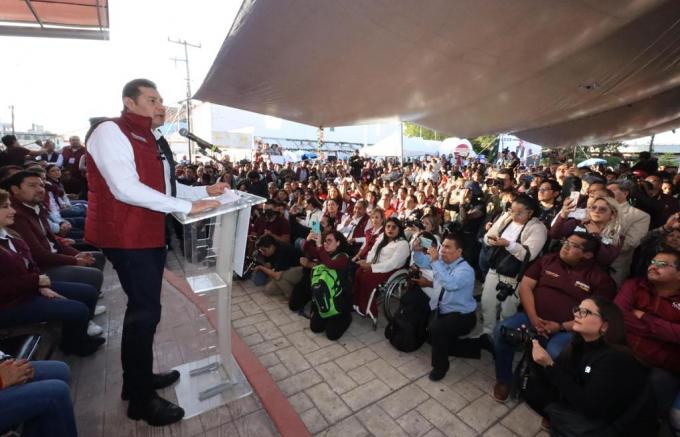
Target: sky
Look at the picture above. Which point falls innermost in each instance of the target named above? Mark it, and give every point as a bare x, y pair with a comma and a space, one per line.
61, 83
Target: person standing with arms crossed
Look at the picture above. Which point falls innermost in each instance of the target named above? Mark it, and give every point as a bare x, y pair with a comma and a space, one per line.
131, 175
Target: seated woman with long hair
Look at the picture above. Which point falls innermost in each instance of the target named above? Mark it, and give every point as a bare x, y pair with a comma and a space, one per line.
595, 387
602, 219
390, 253
377, 221
331, 251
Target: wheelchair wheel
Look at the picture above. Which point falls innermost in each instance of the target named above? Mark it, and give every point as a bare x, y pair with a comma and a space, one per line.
394, 289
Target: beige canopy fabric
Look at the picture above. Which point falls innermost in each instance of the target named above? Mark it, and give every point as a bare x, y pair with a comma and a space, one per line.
551, 72
87, 19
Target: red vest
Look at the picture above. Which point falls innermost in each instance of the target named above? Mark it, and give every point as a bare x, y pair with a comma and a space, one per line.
114, 224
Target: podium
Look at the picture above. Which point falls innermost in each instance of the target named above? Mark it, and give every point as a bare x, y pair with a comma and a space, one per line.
214, 245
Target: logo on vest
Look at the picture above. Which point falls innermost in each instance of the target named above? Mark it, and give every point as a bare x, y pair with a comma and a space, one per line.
138, 137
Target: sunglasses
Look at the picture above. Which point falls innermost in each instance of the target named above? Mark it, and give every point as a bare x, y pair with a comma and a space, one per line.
599, 208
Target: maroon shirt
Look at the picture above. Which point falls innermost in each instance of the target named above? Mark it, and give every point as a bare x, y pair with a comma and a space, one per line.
19, 274
16, 155
278, 227
28, 225
561, 287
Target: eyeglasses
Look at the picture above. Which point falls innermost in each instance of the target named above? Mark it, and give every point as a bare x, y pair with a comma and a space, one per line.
599, 208
584, 312
660, 264
543, 190
517, 212
566, 243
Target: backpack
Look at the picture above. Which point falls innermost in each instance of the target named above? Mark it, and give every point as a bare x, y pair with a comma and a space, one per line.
408, 330
326, 288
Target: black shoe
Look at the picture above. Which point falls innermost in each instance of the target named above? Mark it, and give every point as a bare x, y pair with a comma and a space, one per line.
155, 411
86, 347
158, 381
436, 375
486, 343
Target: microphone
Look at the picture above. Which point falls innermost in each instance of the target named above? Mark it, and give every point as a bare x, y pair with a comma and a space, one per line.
203, 144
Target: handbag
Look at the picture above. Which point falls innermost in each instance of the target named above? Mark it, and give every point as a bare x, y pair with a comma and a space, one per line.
507, 264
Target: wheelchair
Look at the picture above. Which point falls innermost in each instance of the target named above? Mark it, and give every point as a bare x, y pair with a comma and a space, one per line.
388, 296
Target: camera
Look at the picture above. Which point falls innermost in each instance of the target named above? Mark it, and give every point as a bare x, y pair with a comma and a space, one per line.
250, 263
414, 272
519, 337
414, 224
504, 290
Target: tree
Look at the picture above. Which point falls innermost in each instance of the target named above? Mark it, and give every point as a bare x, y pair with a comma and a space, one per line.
668, 160
416, 130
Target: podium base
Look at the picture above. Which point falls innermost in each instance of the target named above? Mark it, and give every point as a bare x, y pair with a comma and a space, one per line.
207, 384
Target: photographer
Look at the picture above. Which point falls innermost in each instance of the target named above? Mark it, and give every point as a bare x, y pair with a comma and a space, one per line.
654, 202
277, 266
589, 389
515, 237
272, 223
550, 288
455, 281
421, 263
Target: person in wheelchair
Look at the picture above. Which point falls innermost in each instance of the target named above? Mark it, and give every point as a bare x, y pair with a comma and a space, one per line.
327, 285
454, 282
389, 254
595, 387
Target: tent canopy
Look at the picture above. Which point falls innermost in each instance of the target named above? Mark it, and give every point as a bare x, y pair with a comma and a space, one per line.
86, 19
391, 146
553, 73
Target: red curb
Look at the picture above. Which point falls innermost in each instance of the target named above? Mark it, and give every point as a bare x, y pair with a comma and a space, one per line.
286, 420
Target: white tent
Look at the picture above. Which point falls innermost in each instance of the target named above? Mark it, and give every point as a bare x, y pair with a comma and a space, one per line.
391, 146
457, 146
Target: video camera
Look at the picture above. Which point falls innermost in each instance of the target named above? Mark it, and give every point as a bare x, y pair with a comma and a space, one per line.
519, 337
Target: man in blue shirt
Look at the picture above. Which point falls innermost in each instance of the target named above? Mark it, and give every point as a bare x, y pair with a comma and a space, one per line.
455, 280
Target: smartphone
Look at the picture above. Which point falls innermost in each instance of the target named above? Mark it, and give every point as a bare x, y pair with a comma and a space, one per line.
316, 227
575, 195
425, 243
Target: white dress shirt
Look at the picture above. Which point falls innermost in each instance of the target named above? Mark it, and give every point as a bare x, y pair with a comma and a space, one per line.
113, 155
5, 236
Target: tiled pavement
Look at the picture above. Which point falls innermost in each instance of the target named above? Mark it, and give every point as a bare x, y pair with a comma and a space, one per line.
360, 385
357, 386
96, 380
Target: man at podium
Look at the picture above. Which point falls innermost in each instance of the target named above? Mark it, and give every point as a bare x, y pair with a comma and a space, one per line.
132, 186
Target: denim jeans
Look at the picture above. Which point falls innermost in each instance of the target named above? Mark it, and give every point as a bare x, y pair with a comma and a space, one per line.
506, 352
73, 312
42, 404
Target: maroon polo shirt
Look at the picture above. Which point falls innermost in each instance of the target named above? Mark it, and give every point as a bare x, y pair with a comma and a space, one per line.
561, 287
278, 227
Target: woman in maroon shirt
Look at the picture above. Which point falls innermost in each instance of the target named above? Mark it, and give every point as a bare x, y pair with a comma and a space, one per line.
27, 296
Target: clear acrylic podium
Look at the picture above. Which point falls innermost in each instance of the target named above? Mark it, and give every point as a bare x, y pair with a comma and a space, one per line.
214, 248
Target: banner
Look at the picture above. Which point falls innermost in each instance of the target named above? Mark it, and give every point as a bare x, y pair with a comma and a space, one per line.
232, 140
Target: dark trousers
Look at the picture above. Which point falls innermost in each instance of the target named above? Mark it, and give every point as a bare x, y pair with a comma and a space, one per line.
444, 333
73, 312
333, 326
140, 272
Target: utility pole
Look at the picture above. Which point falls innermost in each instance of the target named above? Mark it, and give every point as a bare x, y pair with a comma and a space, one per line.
11, 109
188, 79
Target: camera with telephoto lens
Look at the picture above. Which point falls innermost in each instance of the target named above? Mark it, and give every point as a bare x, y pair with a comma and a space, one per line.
504, 291
250, 263
519, 337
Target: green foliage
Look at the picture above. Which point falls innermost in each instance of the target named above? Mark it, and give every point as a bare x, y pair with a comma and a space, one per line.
415, 130
668, 160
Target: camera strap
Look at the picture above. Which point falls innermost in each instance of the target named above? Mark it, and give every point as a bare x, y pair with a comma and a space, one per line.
525, 264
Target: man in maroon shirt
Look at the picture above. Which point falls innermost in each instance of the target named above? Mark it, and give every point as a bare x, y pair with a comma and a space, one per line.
71, 156
551, 287
14, 153
272, 223
59, 262
651, 311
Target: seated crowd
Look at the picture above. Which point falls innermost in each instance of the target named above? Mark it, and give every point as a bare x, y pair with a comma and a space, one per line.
579, 269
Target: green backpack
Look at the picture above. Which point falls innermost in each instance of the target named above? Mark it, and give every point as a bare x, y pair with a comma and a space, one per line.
326, 288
